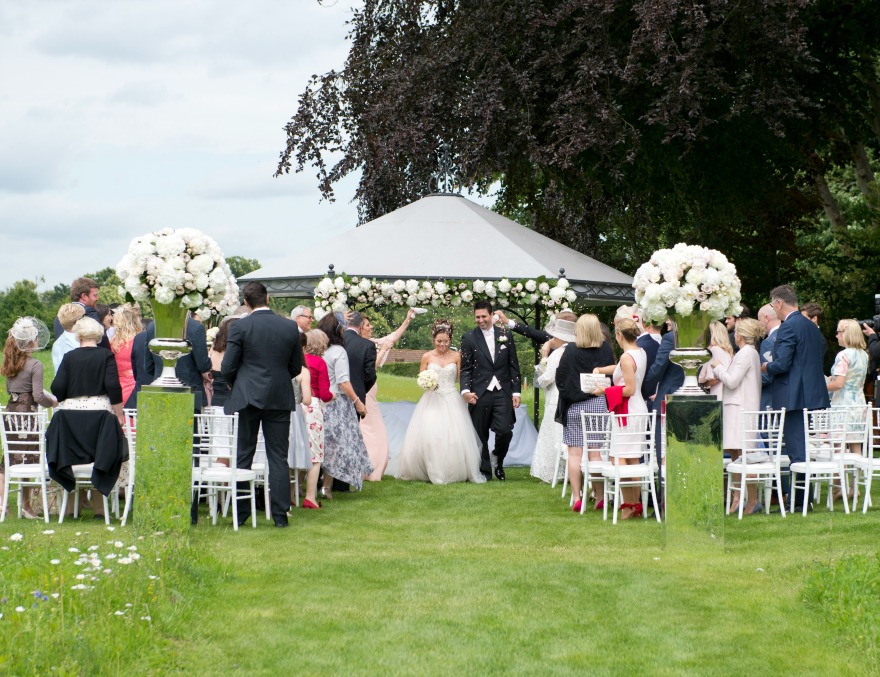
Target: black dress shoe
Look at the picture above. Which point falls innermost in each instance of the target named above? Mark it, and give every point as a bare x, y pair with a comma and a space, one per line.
242, 521
499, 473
280, 522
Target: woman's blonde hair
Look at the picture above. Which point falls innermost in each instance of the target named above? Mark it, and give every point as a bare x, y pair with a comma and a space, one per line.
588, 332
627, 329
751, 331
316, 342
88, 329
852, 334
126, 325
69, 313
718, 336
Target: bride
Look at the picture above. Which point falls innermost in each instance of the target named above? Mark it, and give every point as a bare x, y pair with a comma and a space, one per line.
441, 445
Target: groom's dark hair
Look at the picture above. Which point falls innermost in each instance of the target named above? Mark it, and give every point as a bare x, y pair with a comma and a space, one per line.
483, 305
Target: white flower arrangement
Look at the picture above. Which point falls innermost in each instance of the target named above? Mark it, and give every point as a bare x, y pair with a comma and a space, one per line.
184, 265
685, 279
428, 380
336, 293
211, 335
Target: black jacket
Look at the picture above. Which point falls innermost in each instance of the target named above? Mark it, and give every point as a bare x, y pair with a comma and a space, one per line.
361, 362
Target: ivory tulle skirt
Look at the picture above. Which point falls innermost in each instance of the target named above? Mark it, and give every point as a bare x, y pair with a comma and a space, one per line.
441, 445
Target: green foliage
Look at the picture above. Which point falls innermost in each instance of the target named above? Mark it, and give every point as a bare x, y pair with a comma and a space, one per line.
846, 593
20, 300
239, 265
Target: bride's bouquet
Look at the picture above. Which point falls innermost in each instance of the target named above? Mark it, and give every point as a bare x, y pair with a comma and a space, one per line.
428, 380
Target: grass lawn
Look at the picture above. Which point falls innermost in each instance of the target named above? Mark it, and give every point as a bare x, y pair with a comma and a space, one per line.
409, 578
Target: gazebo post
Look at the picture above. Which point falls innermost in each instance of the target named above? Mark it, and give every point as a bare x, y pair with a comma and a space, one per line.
537, 360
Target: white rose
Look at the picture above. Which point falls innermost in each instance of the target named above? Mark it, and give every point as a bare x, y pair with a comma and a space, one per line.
399, 285
504, 286
684, 307
339, 283
365, 284
479, 286
441, 287
412, 301
531, 286
562, 282
456, 301
543, 287
557, 294
163, 294
387, 289
570, 295
412, 286
201, 265
467, 296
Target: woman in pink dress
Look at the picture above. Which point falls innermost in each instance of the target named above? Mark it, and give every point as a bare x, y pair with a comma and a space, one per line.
373, 425
126, 325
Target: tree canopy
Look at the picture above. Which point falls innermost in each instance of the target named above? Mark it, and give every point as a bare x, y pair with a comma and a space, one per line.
619, 127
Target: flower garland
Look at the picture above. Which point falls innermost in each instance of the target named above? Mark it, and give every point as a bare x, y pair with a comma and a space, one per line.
339, 292
185, 264
687, 278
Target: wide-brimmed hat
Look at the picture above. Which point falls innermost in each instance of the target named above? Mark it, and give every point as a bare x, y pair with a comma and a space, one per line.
562, 329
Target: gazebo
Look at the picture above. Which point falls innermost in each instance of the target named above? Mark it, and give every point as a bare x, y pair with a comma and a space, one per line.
444, 236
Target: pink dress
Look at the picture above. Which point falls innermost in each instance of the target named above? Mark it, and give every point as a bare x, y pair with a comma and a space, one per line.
123, 366
373, 425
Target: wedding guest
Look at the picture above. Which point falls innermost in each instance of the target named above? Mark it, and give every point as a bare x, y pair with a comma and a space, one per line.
847, 380
767, 318
796, 369
298, 453
319, 381
730, 323
220, 389
303, 317
84, 292
126, 325
24, 386
345, 455
545, 459
741, 379
814, 313
874, 359
139, 349
373, 425
626, 376
719, 346
316, 345
87, 386
591, 350
68, 314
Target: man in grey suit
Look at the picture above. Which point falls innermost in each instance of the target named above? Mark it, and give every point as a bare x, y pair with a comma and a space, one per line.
262, 355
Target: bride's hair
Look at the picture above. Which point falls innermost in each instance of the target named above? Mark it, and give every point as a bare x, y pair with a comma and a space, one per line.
441, 326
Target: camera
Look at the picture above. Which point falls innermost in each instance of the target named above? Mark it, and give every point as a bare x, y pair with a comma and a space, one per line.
874, 322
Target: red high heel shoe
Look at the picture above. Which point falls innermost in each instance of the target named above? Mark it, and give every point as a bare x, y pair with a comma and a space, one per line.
577, 506
308, 505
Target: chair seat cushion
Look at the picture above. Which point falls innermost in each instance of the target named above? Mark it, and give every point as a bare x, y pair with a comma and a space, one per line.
26, 470
222, 474
816, 467
629, 471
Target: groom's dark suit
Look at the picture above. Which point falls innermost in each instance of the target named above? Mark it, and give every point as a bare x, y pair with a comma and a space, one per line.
262, 355
494, 408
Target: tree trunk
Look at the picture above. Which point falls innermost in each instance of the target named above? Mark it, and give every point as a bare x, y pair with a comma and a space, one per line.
865, 178
832, 210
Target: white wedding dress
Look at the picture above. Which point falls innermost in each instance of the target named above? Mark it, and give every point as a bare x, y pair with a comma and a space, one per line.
441, 445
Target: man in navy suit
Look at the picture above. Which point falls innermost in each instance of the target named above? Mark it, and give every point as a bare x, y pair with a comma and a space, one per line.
767, 317
796, 369
263, 354
664, 377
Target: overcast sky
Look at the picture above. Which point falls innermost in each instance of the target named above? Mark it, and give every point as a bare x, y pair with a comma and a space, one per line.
123, 116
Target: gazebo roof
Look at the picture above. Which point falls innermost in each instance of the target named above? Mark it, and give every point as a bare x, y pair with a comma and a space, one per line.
444, 236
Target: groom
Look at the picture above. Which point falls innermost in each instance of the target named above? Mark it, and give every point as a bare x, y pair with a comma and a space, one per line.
490, 384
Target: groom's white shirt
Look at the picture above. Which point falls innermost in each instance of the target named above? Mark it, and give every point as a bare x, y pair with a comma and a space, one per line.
489, 335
